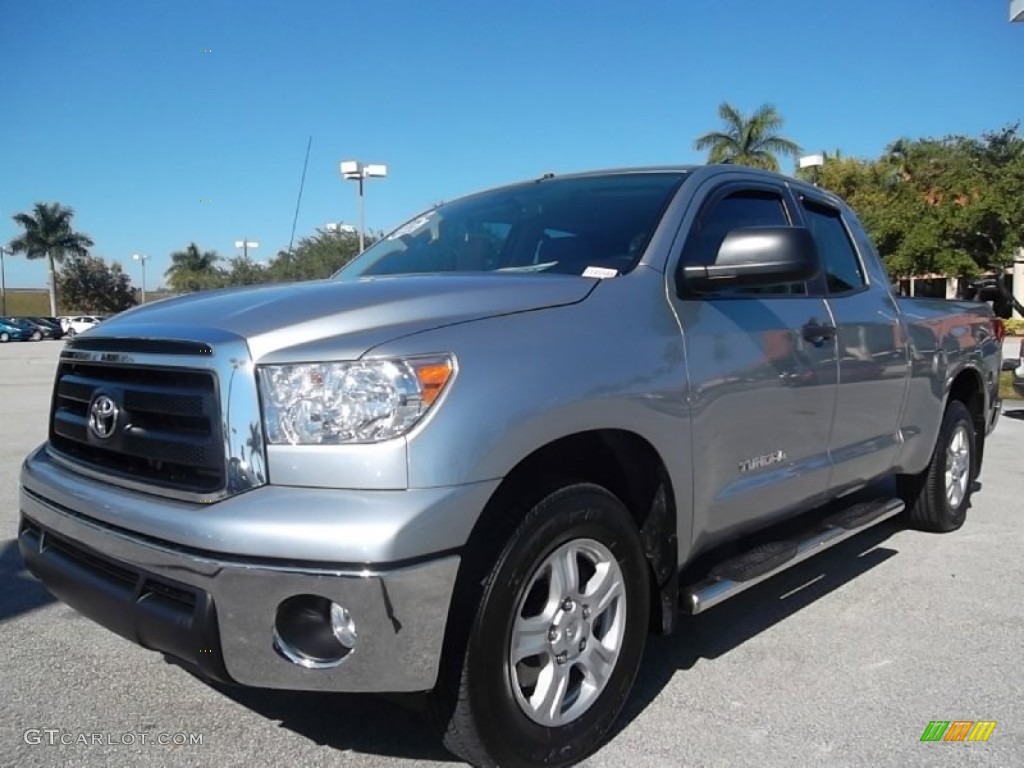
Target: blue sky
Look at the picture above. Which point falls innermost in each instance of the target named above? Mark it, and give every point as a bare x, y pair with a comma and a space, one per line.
115, 108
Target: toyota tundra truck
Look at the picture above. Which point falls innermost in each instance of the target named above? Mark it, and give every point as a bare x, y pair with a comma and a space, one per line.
504, 444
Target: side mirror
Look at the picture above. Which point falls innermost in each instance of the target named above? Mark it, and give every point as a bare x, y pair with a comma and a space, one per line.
755, 256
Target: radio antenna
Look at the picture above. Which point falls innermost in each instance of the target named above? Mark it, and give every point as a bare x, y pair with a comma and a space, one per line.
301, 185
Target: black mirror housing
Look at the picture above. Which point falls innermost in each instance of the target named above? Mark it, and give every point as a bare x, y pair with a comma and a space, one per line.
758, 256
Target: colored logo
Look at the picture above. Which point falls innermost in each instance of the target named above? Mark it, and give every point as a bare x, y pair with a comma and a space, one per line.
958, 730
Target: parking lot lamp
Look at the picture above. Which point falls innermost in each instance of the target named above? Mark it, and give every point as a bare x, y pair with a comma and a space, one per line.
353, 170
141, 258
3, 283
245, 244
816, 162
340, 228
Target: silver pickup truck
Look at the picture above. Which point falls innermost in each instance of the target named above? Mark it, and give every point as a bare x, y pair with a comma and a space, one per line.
504, 444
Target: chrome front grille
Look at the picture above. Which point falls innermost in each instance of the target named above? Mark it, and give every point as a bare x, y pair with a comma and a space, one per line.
165, 430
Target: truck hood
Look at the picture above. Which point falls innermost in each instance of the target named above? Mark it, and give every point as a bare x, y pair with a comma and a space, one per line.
341, 320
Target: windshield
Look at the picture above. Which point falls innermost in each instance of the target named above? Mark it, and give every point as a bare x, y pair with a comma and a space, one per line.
591, 225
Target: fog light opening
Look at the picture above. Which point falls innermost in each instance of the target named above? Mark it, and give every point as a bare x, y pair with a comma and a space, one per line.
314, 632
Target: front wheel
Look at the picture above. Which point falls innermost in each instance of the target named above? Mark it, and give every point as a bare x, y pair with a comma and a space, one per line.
555, 639
938, 498
4, 337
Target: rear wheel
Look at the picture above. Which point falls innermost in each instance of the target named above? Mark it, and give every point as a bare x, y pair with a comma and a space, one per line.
37, 336
554, 639
938, 498
71, 333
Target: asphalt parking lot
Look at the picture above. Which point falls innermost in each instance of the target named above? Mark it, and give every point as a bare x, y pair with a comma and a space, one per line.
843, 660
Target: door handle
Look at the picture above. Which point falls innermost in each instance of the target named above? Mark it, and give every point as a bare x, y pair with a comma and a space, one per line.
815, 332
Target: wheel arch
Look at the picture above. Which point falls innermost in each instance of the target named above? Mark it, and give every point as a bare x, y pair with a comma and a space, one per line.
968, 387
624, 463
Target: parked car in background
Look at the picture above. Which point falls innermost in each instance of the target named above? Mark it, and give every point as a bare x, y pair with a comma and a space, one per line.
33, 332
53, 324
66, 320
11, 331
41, 329
80, 323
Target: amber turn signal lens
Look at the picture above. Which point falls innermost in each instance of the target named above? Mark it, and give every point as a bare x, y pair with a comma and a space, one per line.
432, 378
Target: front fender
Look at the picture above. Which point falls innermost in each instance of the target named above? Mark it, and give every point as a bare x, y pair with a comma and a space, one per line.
529, 379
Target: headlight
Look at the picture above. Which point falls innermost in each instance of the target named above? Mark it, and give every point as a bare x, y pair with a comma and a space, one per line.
360, 402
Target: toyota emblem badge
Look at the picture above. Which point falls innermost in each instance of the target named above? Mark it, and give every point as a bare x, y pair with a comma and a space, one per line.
103, 417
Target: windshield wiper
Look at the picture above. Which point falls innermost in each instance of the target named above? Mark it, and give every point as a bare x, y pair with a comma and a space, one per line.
529, 267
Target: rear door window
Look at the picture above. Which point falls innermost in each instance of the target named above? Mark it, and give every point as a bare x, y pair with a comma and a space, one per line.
839, 260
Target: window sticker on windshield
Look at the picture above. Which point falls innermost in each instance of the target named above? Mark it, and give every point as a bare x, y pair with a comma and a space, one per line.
411, 228
601, 272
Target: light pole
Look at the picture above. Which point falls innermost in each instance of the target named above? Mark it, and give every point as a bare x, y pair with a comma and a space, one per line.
3, 282
245, 244
353, 170
813, 161
141, 258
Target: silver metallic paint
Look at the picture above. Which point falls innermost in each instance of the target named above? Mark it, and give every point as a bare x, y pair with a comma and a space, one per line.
328, 320
401, 613
301, 524
541, 358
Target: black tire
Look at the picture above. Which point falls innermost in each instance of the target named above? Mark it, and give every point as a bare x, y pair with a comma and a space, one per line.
927, 495
485, 722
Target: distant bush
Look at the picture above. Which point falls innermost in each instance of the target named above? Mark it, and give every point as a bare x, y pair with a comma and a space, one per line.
1015, 327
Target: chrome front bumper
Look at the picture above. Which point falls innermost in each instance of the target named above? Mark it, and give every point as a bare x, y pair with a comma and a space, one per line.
132, 584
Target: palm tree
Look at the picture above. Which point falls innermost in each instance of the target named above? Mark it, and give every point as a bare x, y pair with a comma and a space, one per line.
48, 234
897, 156
194, 270
754, 141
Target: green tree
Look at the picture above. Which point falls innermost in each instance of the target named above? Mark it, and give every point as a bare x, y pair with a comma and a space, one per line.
194, 270
991, 187
939, 206
317, 256
48, 234
89, 284
753, 141
243, 271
